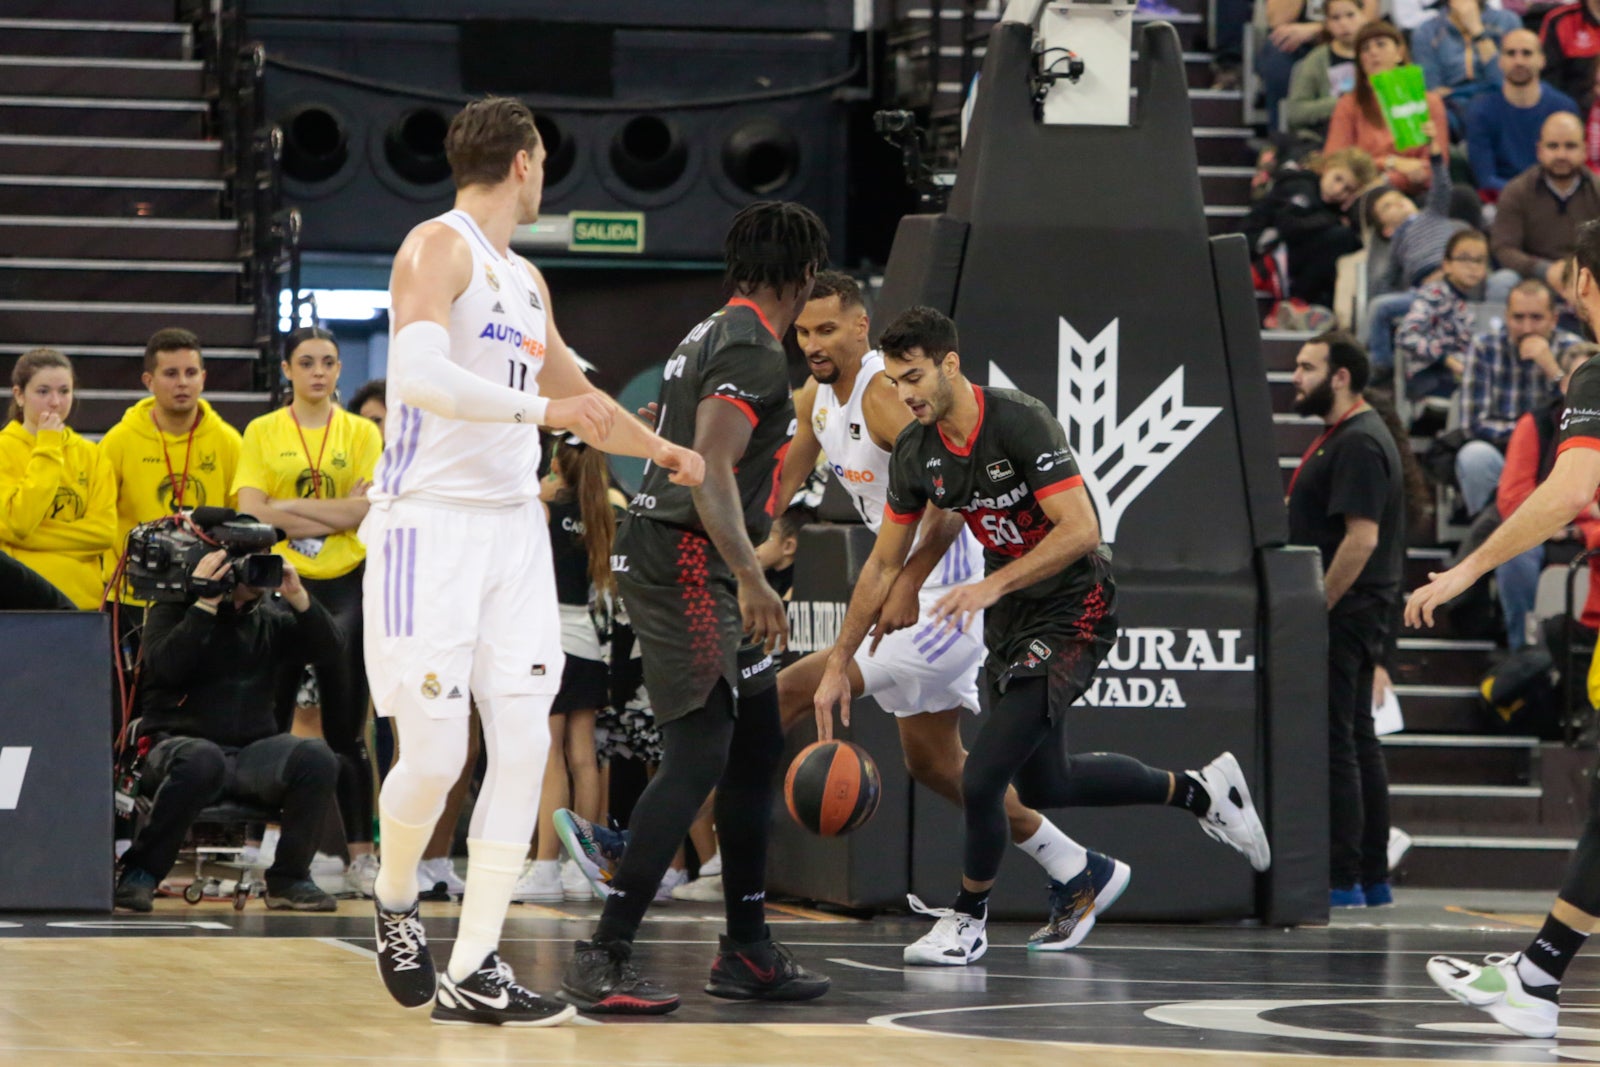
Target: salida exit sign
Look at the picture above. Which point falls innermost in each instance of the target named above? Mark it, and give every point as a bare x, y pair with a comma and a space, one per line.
607, 231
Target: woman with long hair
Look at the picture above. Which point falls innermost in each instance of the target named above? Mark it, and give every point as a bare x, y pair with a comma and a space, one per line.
58, 496
305, 469
583, 527
1358, 120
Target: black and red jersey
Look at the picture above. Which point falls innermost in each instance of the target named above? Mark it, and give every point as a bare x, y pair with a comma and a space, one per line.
1016, 457
1571, 39
733, 356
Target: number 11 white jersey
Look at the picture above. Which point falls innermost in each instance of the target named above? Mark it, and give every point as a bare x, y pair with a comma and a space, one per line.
497, 331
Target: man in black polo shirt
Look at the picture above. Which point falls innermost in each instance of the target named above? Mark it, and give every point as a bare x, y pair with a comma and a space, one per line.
1521, 991
1347, 498
1001, 460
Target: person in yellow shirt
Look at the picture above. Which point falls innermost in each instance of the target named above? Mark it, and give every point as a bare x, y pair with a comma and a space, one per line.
171, 451
305, 469
58, 499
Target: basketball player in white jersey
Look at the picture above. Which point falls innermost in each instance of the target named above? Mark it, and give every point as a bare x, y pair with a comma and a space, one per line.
918, 671
460, 596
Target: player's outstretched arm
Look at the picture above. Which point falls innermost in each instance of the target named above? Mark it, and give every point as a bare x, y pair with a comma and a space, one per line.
877, 576
563, 380
902, 606
432, 269
1074, 533
721, 434
1569, 490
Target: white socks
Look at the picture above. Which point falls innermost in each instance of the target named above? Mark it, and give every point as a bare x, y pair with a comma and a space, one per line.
403, 846
1062, 858
493, 868
712, 866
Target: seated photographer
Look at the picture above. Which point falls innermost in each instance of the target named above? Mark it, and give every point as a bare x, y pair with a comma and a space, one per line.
210, 672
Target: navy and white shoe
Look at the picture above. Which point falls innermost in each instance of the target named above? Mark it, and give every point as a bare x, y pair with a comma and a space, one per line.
956, 940
1232, 818
1076, 903
403, 960
595, 849
491, 996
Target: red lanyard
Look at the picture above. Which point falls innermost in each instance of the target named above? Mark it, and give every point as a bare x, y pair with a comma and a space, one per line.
1359, 404
322, 449
178, 488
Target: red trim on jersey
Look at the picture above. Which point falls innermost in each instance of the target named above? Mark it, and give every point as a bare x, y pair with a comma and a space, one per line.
1578, 442
777, 476
749, 412
1058, 487
973, 436
742, 302
903, 518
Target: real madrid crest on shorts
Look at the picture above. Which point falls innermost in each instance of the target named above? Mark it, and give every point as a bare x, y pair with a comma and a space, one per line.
430, 685
488, 276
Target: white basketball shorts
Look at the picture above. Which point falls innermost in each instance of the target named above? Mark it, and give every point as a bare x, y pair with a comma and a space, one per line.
458, 601
922, 668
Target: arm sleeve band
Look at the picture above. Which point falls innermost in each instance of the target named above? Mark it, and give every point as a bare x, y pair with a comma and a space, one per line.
428, 380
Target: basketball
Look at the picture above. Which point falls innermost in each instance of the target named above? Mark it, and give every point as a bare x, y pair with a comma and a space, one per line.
832, 787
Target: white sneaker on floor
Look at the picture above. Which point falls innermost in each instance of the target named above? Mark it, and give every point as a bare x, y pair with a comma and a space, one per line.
326, 865
707, 889
955, 940
670, 881
574, 886
438, 875
1232, 818
1496, 988
711, 867
1399, 845
540, 884
360, 876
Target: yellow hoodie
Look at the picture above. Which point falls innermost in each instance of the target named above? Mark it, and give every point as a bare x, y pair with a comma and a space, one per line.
58, 508
150, 467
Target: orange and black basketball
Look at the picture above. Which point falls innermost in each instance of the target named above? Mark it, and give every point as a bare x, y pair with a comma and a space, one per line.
832, 787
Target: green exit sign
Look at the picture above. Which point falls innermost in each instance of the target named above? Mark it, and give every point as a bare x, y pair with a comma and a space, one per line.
607, 231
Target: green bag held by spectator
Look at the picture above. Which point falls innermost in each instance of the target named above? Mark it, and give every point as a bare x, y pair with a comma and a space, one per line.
1403, 97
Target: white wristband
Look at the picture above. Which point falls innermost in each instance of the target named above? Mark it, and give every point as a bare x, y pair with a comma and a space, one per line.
537, 406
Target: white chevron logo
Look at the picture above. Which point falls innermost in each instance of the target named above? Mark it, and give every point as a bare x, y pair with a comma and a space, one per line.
1119, 459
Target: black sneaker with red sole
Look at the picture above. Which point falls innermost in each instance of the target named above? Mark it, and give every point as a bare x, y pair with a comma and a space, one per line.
762, 970
601, 980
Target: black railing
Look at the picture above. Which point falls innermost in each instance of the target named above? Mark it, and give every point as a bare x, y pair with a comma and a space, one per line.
252, 151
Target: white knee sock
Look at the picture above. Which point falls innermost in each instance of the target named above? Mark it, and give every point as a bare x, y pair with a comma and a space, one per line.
493, 868
403, 845
1060, 856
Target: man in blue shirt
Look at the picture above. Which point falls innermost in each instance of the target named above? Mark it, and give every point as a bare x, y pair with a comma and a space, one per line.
1503, 127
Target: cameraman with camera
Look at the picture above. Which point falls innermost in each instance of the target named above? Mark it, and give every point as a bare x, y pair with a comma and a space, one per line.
211, 664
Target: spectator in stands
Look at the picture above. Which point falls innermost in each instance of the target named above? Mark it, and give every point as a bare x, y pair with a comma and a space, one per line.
171, 451
1530, 454
1303, 211
210, 671
58, 499
1508, 373
1292, 29
1347, 498
1571, 37
1541, 209
1457, 50
1503, 127
1357, 119
1435, 336
1326, 73
1417, 241
371, 403
305, 469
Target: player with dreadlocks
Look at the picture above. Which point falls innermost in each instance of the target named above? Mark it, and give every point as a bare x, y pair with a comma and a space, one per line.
707, 623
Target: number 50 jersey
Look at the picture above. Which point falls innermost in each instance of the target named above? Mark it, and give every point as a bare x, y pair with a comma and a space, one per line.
733, 356
1016, 457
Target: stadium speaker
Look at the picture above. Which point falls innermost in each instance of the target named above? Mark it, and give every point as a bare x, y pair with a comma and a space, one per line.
364, 161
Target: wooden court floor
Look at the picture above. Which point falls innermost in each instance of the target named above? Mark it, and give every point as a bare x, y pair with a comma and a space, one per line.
209, 985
